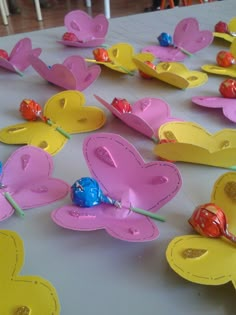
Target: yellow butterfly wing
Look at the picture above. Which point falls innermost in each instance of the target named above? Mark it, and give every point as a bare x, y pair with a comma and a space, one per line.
22, 295
229, 71
67, 110
206, 260
195, 145
36, 133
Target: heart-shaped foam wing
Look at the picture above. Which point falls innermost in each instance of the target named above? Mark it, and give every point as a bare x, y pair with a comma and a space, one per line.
137, 184
203, 260
27, 177
195, 145
73, 74
228, 105
22, 294
19, 57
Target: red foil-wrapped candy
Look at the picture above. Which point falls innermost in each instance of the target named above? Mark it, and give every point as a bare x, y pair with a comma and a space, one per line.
225, 59
71, 37
30, 110
3, 54
122, 105
144, 75
101, 54
209, 220
228, 88
221, 27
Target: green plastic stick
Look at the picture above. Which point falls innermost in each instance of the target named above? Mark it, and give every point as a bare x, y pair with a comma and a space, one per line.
59, 129
14, 204
148, 214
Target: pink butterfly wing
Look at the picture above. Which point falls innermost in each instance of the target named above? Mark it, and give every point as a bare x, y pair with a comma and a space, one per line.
120, 224
148, 114
27, 176
228, 105
87, 29
85, 75
119, 168
165, 53
58, 74
188, 36
19, 56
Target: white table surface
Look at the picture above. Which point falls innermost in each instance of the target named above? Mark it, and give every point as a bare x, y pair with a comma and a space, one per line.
92, 272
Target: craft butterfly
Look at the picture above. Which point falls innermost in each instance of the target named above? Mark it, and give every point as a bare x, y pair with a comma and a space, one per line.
228, 105
231, 32
22, 295
72, 74
123, 175
121, 58
229, 71
90, 32
65, 110
27, 178
173, 73
147, 115
18, 60
187, 39
203, 260
190, 142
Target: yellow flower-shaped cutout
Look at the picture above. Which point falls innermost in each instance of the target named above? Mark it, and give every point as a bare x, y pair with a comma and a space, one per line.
22, 295
173, 73
121, 58
229, 71
190, 142
205, 260
66, 111
230, 36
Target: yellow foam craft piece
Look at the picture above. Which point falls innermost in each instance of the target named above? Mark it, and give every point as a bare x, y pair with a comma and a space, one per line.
192, 143
121, 56
173, 73
230, 36
67, 111
22, 295
229, 71
208, 261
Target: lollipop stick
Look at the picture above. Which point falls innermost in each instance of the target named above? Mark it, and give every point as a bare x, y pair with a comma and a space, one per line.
14, 204
148, 214
59, 129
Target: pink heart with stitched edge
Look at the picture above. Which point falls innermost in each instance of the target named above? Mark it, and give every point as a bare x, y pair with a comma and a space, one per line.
72, 74
27, 177
90, 31
19, 57
124, 176
187, 37
148, 114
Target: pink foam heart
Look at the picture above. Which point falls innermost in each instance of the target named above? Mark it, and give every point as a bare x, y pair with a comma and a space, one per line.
147, 115
72, 74
187, 37
124, 176
19, 57
27, 177
90, 31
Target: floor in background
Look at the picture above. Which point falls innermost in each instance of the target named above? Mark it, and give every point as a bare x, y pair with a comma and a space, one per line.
53, 17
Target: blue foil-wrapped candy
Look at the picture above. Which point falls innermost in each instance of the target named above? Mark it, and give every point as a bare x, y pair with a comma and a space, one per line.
86, 192
165, 39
